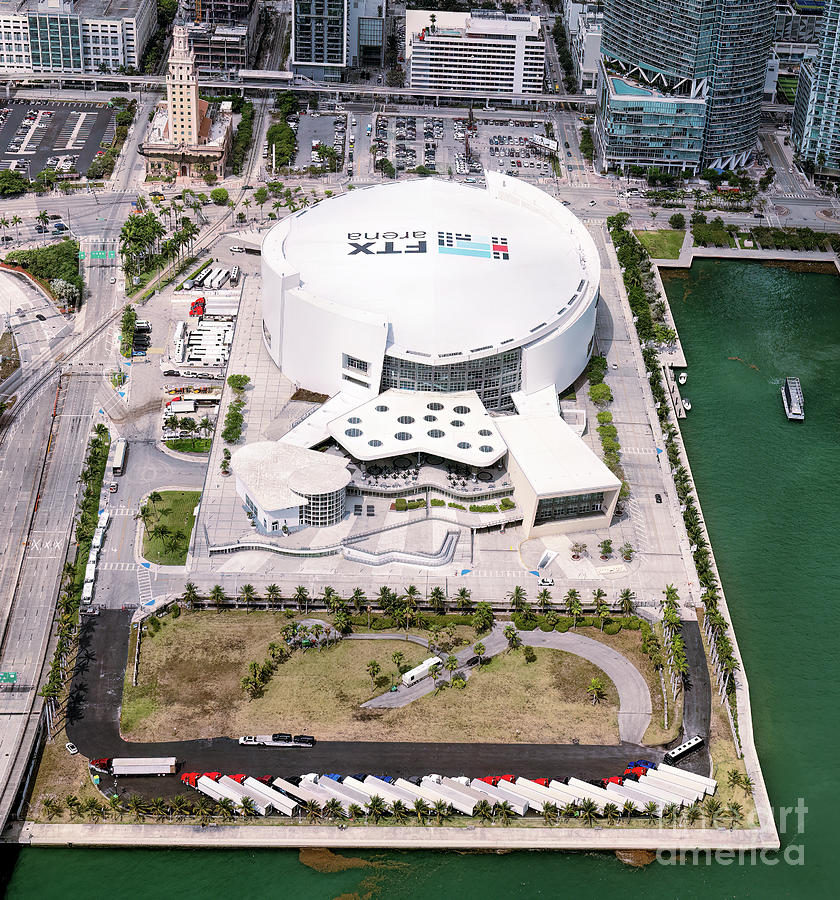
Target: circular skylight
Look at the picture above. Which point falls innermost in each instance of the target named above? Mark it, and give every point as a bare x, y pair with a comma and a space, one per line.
354, 420
430, 418
456, 423
402, 436
375, 442
406, 420
486, 448
436, 407
464, 445
462, 410
382, 408
485, 432
353, 432
436, 433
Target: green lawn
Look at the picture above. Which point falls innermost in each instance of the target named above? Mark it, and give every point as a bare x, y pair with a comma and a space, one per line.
174, 514
664, 244
190, 445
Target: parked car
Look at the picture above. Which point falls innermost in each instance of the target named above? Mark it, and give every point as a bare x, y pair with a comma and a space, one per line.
237, 249
546, 582
71, 748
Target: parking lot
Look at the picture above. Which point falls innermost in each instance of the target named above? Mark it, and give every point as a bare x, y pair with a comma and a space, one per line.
64, 135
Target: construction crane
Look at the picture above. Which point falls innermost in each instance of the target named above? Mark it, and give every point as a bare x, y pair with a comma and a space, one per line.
197, 11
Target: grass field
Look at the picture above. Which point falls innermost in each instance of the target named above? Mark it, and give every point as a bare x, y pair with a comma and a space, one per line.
9, 353
189, 687
175, 513
664, 244
190, 445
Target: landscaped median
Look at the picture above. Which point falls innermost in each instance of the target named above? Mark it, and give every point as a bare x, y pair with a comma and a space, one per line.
168, 518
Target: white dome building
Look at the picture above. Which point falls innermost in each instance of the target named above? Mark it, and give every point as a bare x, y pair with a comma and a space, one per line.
427, 285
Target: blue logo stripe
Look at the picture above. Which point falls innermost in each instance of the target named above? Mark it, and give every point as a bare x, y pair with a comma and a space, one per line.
458, 251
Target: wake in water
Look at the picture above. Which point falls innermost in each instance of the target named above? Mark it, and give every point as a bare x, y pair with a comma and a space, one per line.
738, 359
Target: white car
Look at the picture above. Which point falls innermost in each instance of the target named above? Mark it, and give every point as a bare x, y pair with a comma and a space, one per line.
266, 740
72, 749
546, 582
237, 249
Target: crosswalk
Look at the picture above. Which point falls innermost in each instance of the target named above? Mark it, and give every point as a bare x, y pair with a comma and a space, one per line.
117, 567
124, 511
639, 451
639, 524
144, 585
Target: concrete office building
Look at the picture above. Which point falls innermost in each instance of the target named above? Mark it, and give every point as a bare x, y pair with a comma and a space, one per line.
816, 114
74, 36
477, 51
222, 33
586, 50
430, 312
713, 51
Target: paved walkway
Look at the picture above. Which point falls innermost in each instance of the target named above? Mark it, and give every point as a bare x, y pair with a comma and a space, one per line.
633, 694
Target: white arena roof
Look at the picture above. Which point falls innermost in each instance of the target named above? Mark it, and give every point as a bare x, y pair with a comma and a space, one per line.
455, 426
455, 271
552, 457
277, 474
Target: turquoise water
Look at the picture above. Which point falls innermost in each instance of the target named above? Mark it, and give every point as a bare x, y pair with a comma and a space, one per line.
768, 489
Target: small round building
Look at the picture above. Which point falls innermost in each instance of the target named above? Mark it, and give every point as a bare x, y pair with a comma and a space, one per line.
429, 285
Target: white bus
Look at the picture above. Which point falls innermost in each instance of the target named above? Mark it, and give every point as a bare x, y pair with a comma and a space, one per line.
120, 456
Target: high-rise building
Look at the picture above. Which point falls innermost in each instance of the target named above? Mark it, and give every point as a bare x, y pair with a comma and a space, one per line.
331, 35
679, 61
68, 36
481, 50
816, 113
222, 33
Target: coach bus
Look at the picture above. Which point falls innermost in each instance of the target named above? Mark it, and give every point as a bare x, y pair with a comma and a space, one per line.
120, 454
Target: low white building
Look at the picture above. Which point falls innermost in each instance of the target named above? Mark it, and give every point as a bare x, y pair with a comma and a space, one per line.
586, 51
477, 51
282, 485
560, 484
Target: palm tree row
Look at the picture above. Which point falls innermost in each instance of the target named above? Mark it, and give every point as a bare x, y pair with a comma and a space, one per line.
710, 813
142, 243
674, 643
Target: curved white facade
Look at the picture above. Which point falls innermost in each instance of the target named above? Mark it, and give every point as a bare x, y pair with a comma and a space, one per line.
430, 285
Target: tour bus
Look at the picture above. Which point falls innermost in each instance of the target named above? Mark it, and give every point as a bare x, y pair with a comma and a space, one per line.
684, 748
234, 275
120, 455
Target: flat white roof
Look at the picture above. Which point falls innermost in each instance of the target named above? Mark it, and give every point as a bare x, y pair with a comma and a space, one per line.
552, 457
454, 271
454, 425
275, 473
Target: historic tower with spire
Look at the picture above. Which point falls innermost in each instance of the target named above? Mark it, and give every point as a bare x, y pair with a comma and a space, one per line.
182, 91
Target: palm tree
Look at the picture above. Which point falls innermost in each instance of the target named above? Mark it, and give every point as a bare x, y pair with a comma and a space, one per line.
248, 594
602, 609
442, 811
358, 598
578, 549
135, 805
217, 595
479, 649
94, 809
549, 813
312, 810
247, 807
225, 808
421, 810
373, 669
180, 806
626, 602
588, 811
651, 810
503, 812
190, 595
437, 600
52, 807
670, 813
451, 664
355, 812
273, 594
154, 499
410, 596
692, 814
159, 809
301, 597
573, 605
376, 808
596, 689
398, 658
611, 813
517, 598
203, 808
43, 217
399, 812
570, 811
512, 636
17, 221
333, 809
483, 811
544, 599
629, 809
462, 600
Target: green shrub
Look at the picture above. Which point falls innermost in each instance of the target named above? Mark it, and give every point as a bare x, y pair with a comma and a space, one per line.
400, 504
631, 623
486, 508
530, 655
219, 196
563, 625
596, 369
524, 622
612, 628
176, 611
456, 506
506, 503
435, 501
605, 417
153, 624
545, 626
600, 394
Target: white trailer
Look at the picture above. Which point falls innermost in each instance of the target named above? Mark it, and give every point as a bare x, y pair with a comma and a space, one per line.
498, 795
563, 793
87, 593
345, 794
140, 765
459, 788
655, 792
460, 802
536, 796
90, 573
278, 801
216, 791
261, 807
582, 793
98, 538
627, 791
104, 519
691, 793
425, 792
598, 794
179, 407
421, 671
93, 556
303, 792
548, 794
390, 793
709, 784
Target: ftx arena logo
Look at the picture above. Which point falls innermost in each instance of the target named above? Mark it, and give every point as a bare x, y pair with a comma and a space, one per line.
453, 243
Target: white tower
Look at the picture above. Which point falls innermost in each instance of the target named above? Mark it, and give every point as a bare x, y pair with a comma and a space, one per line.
182, 91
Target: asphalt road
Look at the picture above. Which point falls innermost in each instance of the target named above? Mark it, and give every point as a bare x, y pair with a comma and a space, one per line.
93, 725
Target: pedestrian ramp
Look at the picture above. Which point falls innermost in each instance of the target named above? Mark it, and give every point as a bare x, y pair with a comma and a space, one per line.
144, 585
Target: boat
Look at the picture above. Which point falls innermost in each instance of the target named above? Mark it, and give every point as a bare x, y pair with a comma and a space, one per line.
686, 404
793, 400
683, 377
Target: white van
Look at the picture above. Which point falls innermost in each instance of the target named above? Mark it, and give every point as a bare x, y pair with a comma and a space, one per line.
98, 538
90, 573
87, 593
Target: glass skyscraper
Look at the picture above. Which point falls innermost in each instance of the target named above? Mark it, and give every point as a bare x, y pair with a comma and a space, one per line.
688, 58
816, 113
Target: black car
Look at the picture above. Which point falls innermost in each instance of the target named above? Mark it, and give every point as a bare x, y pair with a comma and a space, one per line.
170, 373
305, 739
658, 497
